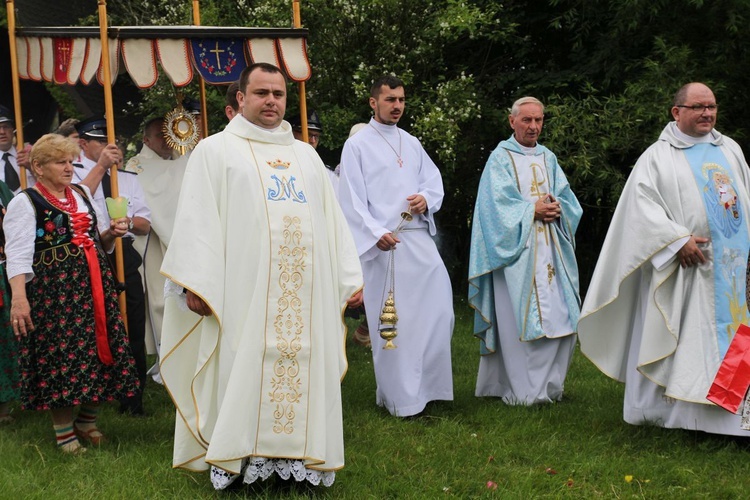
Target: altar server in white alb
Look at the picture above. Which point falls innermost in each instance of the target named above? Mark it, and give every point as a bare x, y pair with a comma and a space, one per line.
384, 172
523, 276
268, 264
668, 291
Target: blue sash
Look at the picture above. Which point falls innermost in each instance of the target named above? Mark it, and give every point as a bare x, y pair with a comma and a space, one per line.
729, 238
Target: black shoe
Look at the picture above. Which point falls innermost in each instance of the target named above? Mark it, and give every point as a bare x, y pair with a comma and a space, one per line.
132, 407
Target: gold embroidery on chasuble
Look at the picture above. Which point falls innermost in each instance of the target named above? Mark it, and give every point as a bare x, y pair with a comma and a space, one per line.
533, 184
550, 273
287, 333
288, 326
538, 180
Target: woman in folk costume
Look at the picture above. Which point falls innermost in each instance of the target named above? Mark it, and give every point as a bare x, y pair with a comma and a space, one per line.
73, 346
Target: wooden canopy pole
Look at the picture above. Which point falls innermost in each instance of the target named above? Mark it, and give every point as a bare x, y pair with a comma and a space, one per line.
11, 11
302, 98
109, 116
201, 81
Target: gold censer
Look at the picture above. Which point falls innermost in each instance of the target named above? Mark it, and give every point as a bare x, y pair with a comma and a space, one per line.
388, 320
388, 317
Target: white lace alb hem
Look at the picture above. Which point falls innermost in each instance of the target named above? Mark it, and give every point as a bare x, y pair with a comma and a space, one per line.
261, 468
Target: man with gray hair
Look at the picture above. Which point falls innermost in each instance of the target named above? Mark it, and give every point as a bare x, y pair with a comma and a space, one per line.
523, 275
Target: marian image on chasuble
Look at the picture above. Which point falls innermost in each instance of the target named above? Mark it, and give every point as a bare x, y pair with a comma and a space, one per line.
661, 328
260, 237
729, 237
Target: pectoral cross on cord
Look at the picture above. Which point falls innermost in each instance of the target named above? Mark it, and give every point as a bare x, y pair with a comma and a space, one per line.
397, 153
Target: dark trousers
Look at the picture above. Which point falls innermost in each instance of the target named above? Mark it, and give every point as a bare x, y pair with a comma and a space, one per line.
136, 311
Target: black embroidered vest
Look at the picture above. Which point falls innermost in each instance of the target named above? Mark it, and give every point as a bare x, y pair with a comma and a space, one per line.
54, 235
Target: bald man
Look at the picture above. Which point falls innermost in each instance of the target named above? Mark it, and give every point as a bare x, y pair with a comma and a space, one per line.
668, 292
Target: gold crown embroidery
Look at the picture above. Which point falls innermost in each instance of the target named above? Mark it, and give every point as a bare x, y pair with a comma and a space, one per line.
278, 164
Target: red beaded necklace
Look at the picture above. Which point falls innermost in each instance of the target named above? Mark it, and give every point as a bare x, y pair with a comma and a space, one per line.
69, 205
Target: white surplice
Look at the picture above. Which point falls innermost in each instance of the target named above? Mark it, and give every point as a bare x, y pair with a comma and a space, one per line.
260, 237
372, 192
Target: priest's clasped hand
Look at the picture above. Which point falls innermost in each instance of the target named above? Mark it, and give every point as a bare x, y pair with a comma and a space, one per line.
690, 255
547, 209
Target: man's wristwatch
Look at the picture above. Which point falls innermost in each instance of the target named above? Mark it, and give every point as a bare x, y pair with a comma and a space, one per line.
130, 224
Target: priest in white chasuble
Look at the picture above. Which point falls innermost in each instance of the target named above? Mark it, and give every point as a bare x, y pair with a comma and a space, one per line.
668, 291
267, 265
385, 171
523, 275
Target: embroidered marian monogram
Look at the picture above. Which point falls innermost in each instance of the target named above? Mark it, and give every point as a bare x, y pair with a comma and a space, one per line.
285, 190
288, 325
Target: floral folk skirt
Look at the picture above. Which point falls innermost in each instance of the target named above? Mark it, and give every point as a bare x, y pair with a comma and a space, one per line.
58, 361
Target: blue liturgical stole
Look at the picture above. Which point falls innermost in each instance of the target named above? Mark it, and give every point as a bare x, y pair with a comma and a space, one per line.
729, 238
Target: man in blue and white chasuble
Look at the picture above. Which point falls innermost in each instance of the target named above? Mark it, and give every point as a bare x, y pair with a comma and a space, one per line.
260, 237
523, 276
668, 292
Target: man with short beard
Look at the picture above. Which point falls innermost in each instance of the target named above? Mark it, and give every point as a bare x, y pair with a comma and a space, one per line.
385, 171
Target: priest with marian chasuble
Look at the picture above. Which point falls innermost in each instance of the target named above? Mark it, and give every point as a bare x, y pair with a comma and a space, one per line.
668, 292
259, 237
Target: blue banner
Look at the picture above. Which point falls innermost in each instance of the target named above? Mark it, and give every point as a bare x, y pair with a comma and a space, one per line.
219, 60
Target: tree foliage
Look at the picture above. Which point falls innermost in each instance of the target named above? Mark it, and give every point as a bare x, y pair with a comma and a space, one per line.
605, 68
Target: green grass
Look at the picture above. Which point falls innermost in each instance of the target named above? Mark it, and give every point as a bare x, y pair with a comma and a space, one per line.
579, 448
